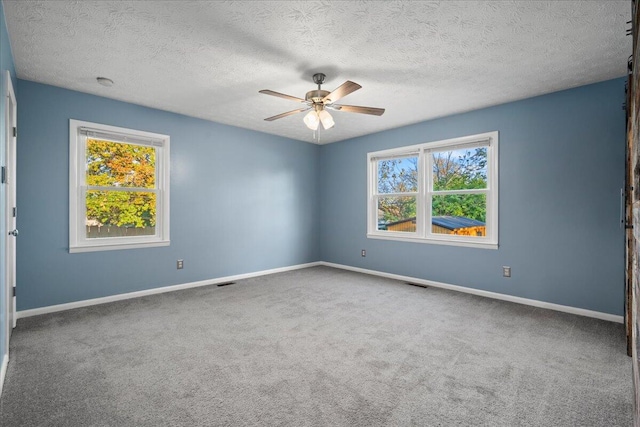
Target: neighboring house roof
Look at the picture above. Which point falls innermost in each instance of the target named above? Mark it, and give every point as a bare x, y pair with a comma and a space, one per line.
455, 222
448, 222
402, 221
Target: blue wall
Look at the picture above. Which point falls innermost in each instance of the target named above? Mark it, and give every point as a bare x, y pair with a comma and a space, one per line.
561, 170
6, 63
241, 201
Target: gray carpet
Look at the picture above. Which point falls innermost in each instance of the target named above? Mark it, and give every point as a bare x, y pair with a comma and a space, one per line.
316, 347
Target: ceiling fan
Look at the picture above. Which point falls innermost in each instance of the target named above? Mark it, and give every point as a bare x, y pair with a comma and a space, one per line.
319, 101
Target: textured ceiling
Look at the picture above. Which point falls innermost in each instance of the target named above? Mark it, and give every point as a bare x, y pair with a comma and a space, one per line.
419, 60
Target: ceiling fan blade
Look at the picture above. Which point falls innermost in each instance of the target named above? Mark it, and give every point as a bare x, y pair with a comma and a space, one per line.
343, 90
281, 95
288, 113
356, 109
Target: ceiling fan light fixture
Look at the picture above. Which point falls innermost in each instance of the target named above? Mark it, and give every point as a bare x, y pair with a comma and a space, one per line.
312, 120
326, 119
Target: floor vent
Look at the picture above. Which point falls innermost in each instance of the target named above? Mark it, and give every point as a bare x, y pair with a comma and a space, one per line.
226, 284
416, 284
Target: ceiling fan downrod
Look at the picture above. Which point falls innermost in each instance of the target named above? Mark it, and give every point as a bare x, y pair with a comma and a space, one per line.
315, 97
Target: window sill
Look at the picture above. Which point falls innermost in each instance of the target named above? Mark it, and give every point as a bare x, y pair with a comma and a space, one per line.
117, 246
468, 244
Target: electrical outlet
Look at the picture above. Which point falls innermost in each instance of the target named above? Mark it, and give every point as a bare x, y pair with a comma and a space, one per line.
363, 253
506, 271
180, 264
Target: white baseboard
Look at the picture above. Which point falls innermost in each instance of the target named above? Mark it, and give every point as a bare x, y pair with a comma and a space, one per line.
95, 301
494, 295
3, 371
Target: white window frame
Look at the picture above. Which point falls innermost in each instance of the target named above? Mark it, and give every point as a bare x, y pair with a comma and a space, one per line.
423, 233
78, 241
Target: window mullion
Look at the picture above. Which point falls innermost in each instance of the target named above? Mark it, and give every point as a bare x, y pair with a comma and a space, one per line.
419, 198
428, 172
467, 191
407, 194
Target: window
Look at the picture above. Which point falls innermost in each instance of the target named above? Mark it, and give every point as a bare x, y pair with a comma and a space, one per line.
442, 192
118, 188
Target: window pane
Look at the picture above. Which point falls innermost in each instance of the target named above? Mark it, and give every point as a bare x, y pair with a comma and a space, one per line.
120, 213
115, 164
398, 175
397, 214
460, 169
459, 214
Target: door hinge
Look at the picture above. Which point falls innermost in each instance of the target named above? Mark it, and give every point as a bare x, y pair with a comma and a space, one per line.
15, 131
15, 211
14, 291
4, 175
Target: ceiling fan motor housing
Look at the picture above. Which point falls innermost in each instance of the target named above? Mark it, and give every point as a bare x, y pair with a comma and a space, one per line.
316, 96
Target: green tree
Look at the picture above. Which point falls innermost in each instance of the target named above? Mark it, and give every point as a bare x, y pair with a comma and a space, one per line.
460, 170
397, 176
119, 165
452, 170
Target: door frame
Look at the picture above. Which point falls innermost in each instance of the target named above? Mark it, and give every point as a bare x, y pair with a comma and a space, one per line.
11, 109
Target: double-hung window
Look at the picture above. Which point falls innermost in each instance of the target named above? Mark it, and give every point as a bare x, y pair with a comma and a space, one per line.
442, 192
118, 188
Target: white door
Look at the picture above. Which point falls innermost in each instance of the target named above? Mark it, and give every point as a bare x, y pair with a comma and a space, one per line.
11, 212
